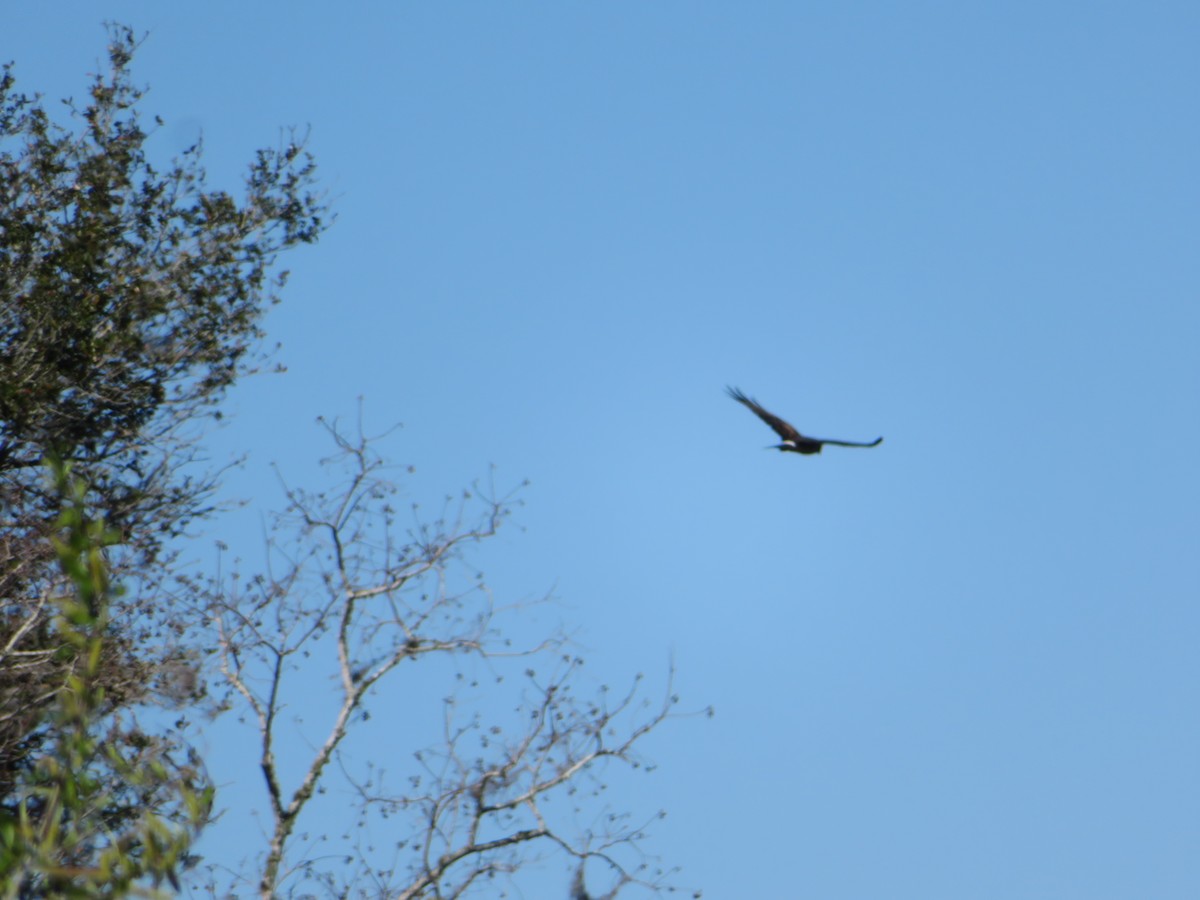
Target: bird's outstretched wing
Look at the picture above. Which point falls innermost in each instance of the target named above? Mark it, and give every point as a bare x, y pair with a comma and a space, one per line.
874, 443
781, 428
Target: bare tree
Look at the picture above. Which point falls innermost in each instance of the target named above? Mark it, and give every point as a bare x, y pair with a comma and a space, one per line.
519, 759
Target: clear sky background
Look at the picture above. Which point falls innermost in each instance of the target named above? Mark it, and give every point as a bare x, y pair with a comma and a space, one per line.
960, 665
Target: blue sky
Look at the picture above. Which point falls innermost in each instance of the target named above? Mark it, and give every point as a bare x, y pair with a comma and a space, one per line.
960, 665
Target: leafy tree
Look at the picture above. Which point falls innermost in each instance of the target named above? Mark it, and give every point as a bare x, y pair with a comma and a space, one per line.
130, 300
70, 833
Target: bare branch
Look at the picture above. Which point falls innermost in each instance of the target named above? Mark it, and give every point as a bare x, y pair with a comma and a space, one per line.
506, 781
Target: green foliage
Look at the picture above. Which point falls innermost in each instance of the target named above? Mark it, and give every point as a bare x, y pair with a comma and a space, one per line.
131, 299
69, 836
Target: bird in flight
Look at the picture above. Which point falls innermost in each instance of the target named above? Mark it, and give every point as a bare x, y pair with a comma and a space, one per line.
793, 441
